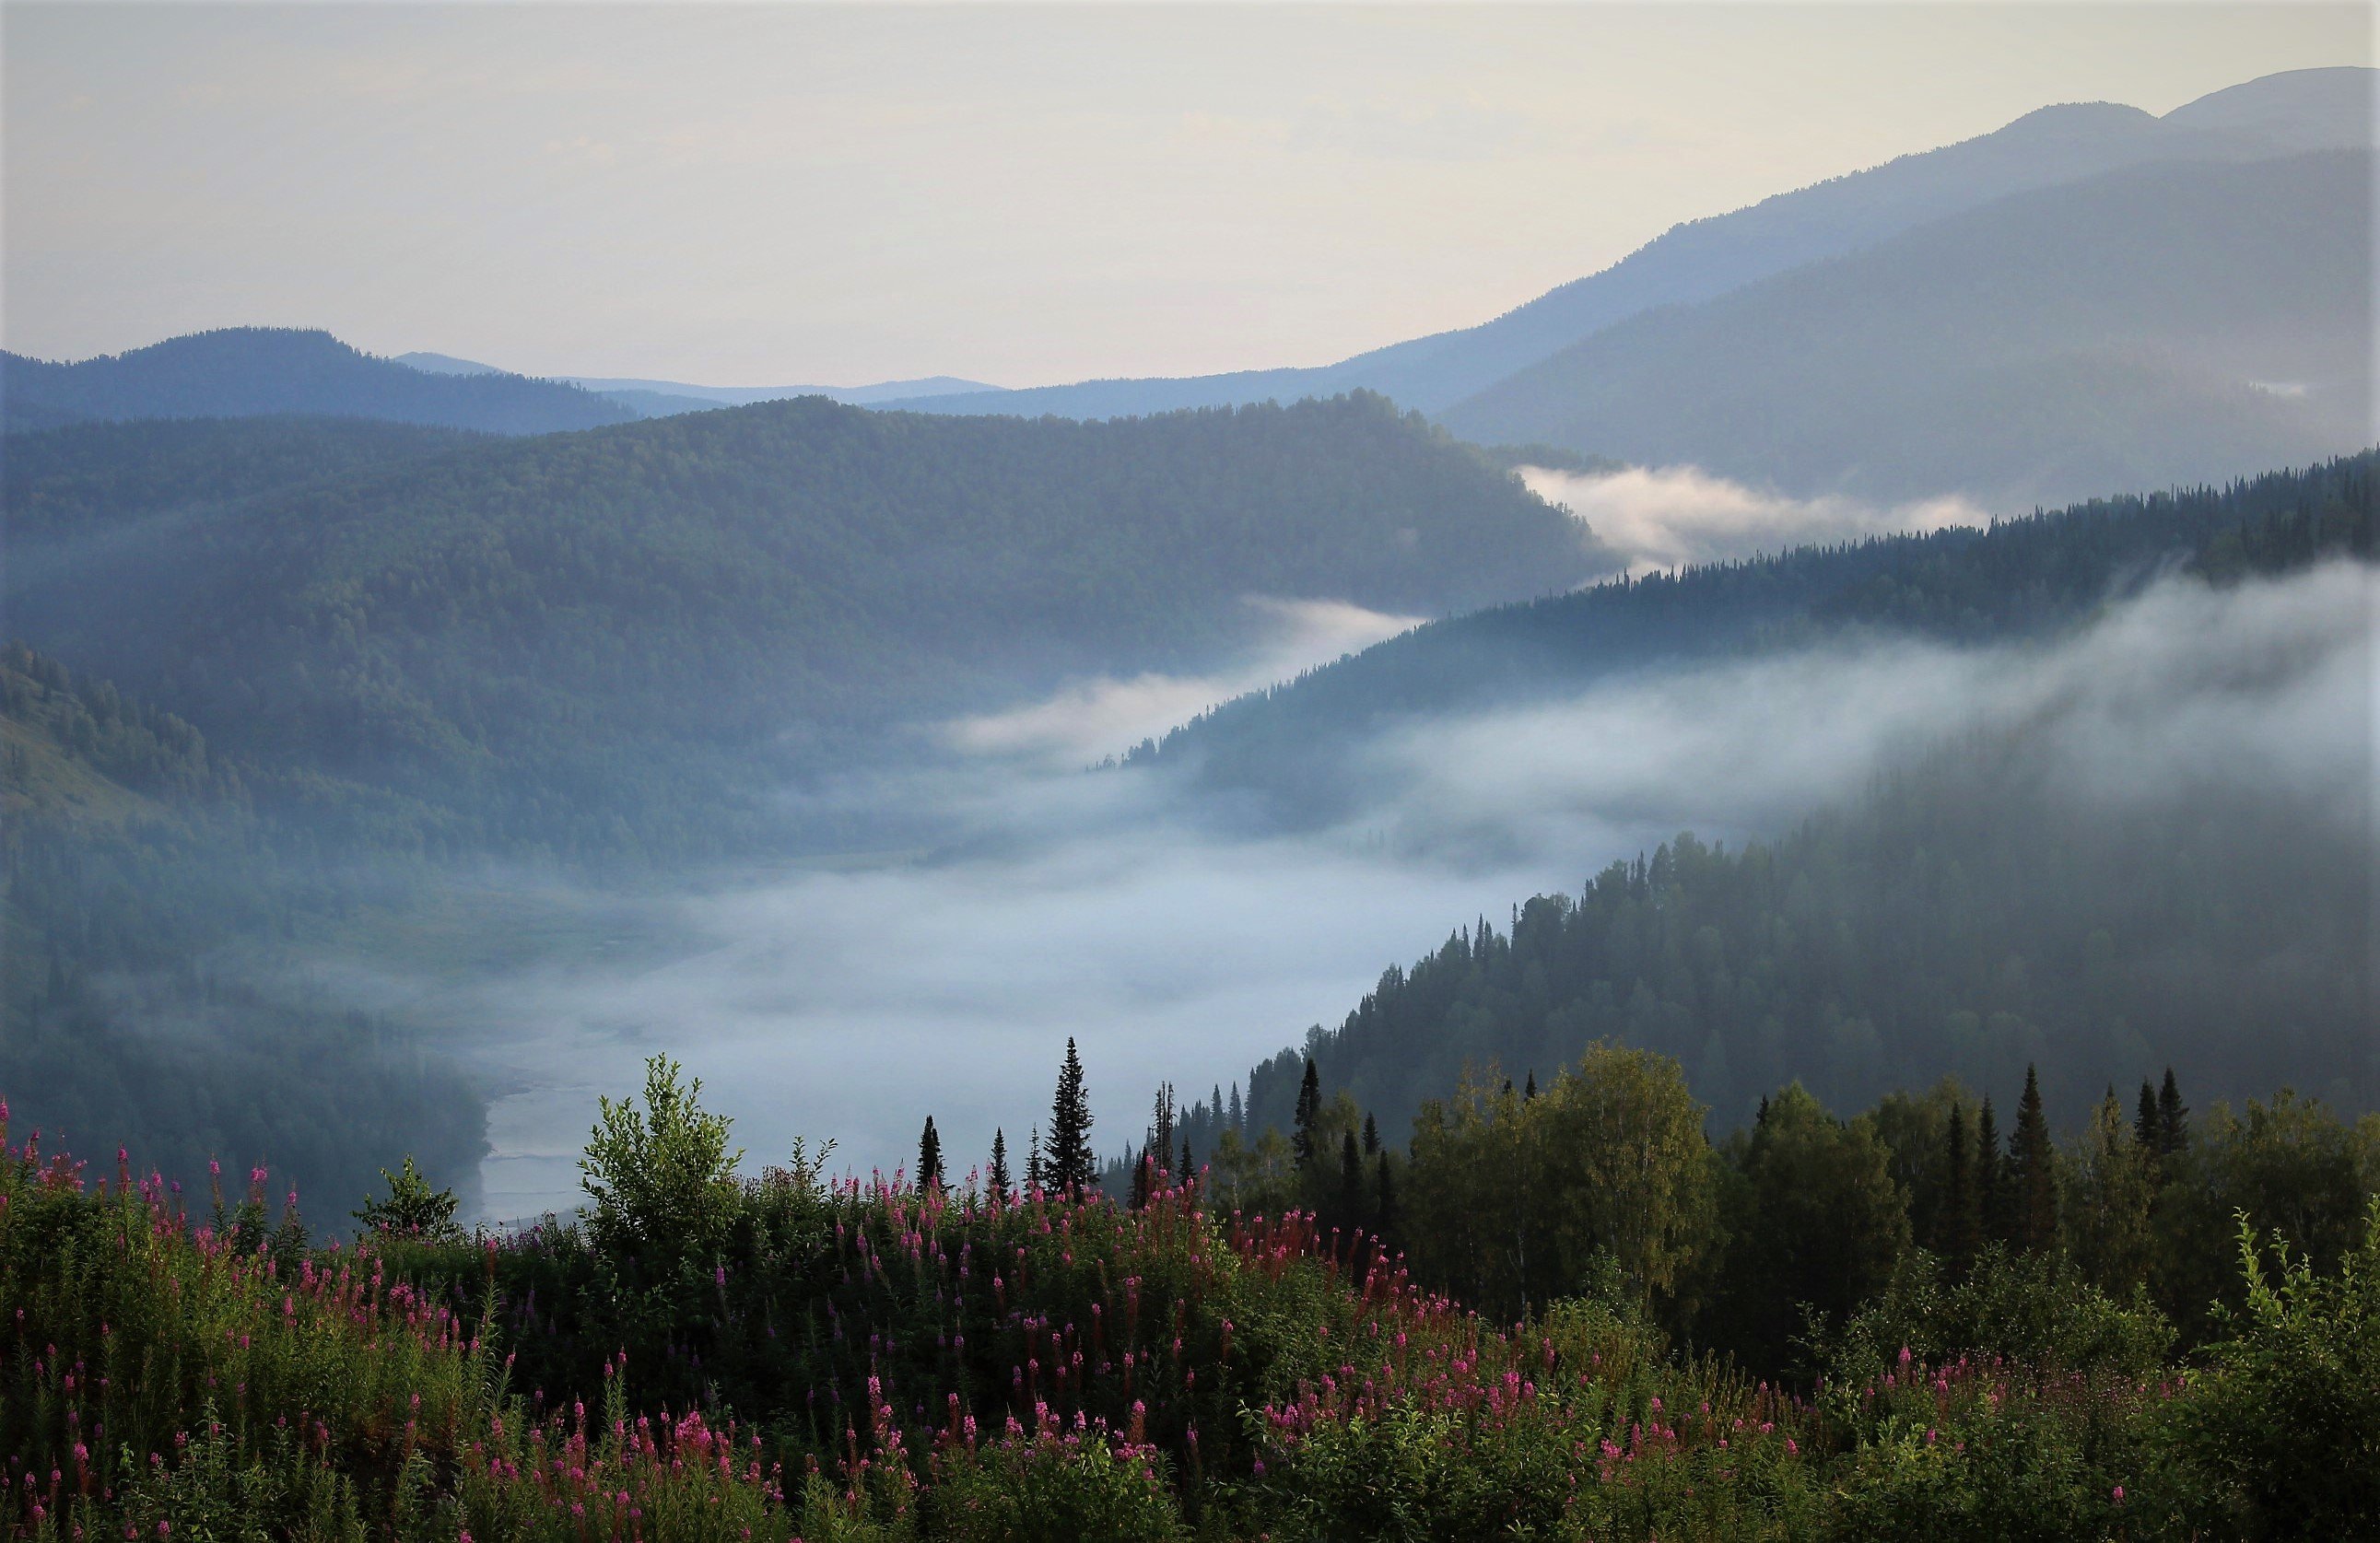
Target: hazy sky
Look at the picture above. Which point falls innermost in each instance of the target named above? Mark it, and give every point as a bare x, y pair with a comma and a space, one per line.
769, 194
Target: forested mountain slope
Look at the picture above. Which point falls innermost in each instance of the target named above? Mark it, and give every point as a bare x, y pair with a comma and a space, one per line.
543, 635
1983, 907
92, 479
2298, 110
254, 371
2138, 328
1299, 744
142, 910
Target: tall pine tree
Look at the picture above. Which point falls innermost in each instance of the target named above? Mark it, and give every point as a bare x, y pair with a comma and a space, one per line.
2173, 1118
929, 1157
1991, 1180
1067, 1165
1309, 1104
1351, 1180
1961, 1225
2033, 1180
996, 1180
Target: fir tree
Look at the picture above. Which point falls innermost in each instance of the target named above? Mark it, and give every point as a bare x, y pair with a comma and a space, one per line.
1237, 1119
2148, 1125
2173, 1119
2033, 1183
1160, 1126
1185, 1172
1036, 1173
1531, 1091
1371, 1135
1351, 1180
929, 1157
1991, 1180
1961, 1222
1142, 1167
1067, 1166
996, 1178
1309, 1104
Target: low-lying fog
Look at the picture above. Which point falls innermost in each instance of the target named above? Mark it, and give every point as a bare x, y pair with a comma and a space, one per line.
1115, 908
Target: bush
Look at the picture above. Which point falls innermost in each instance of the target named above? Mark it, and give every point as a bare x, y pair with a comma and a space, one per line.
2285, 1425
662, 1179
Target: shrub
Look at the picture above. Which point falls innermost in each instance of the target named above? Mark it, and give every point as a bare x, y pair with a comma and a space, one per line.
2283, 1427
662, 1179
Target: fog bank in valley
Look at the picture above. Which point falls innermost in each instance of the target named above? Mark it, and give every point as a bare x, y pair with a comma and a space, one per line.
1657, 517
1120, 909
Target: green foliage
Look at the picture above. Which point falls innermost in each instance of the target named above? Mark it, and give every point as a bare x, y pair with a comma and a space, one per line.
1052, 1488
1517, 1200
1815, 1226
662, 1177
2283, 1427
2028, 1309
411, 1208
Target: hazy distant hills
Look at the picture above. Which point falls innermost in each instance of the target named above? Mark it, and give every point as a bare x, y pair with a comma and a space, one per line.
2275, 116
665, 398
2169, 322
541, 634
256, 372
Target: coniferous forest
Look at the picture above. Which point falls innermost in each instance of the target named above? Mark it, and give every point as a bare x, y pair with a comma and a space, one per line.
1736, 903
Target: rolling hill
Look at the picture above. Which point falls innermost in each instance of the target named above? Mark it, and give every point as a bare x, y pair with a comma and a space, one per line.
548, 637
1300, 747
256, 372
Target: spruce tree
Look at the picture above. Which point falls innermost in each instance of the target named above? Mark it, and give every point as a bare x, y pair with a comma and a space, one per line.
2033, 1182
1036, 1173
1237, 1118
1309, 1104
2173, 1118
1531, 1091
996, 1178
929, 1157
1160, 1126
1185, 1172
1142, 1167
1351, 1180
1991, 1180
2148, 1126
1961, 1225
1371, 1135
1067, 1166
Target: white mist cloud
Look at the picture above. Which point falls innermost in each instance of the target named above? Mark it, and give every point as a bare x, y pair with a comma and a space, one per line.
1104, 714
1118, 909
1668, 517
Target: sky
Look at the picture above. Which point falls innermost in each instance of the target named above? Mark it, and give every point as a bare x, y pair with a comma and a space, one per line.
762, 195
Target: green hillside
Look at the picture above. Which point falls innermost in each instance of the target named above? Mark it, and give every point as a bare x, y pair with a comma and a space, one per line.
147, 923
548, 637
1299, 745
1972, 916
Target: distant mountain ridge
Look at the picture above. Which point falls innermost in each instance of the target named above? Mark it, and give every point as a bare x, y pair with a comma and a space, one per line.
2275, 115
667, 398
266, 372
2175, 322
